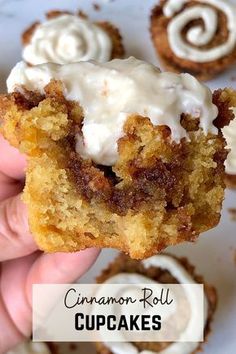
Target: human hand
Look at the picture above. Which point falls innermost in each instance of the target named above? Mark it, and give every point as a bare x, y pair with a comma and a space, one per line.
22, 264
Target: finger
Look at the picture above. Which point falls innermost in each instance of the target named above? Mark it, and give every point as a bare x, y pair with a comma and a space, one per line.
15, 237
17, 308
9, 187
9, 334
60, 268
12, 162
26, 271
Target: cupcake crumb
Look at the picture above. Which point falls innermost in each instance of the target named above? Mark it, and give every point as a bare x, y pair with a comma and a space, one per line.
232, 212
96, 7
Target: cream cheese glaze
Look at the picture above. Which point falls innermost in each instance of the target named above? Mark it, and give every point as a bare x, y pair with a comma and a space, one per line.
67, 39
30, 348
229, 133
110, 92
183, 277
198, 35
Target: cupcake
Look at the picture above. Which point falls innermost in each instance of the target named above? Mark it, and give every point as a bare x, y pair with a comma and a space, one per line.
166, 269
66, 38
128, 157
198, 37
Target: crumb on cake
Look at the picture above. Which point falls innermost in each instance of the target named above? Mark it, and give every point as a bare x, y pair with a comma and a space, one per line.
230, 181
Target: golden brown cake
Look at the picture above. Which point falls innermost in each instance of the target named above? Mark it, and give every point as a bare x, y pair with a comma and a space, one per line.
198, 37
66, 37
99, 177
124, 265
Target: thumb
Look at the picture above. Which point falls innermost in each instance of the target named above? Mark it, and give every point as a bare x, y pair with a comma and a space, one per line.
15, 237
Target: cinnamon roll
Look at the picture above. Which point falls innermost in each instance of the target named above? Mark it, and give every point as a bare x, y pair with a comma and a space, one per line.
66, 38
165, 269
195, 36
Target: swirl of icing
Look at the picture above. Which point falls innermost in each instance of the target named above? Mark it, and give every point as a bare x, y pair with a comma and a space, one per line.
183, 277
229, 133
67, 39
199, 35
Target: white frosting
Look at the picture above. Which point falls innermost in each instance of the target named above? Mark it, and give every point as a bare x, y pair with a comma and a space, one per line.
173, 6
110, 92
199, 35
30, 348
183, 277
230, 136
67, 39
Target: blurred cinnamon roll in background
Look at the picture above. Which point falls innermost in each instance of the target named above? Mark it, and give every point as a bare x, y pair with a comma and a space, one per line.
67, 38
198, 37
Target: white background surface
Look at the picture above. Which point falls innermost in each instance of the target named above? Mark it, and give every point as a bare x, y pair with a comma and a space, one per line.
214, 253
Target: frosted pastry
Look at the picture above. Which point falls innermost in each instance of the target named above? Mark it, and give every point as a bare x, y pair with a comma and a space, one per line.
162, 268
127, 157
66, 38
198, 37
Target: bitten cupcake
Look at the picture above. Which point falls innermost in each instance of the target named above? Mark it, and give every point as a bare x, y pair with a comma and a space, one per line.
198, 37
129, 157
165, 269
66, 38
